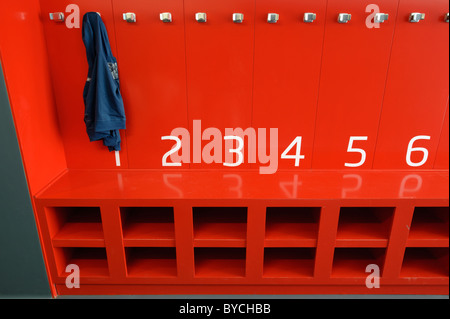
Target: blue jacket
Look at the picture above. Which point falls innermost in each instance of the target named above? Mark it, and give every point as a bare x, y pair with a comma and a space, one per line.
104, 111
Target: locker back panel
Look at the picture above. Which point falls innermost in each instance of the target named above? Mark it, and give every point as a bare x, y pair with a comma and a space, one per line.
151, 57
287, 68
219, 57
354, 67
69, 68
417, 86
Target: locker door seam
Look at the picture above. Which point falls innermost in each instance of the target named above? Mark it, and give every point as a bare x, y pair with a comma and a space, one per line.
318, 89
385, 86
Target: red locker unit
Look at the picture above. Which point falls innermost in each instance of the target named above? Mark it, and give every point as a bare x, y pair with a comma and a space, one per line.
287, 63
357, 188
352, 83
415, 119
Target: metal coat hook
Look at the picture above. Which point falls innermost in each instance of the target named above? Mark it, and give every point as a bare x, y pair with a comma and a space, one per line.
129, 17
344, 17
165, 17
57, 16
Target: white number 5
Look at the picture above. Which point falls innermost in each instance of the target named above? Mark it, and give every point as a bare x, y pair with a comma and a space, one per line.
356, 150
417, 149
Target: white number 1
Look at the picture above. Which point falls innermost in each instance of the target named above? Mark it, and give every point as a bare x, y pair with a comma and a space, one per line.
356, 150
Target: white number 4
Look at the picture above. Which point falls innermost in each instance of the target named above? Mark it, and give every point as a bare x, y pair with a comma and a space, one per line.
297, 157
356, 150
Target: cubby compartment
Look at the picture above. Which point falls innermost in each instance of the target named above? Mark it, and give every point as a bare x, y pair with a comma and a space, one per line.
148, 226
151, 261
219, 262
364, 226
422, 262
288, 262
92, 262
220, 226
292, 226
352, 262
429, 225
75, 226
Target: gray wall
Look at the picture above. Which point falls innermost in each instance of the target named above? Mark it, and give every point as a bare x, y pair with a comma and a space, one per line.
22, 270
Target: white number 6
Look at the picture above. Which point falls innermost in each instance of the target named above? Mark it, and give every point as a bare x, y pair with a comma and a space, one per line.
417, 149
356, 150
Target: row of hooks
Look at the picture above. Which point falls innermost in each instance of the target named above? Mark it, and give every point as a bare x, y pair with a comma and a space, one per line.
308, 17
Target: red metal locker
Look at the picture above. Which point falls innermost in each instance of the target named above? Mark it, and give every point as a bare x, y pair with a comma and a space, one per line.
219, 57
68, 67
151, 57
354, 66
417, 88
286, 72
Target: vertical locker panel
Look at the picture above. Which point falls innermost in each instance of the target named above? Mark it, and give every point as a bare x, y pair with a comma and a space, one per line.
151, 56
219, 66
287, 69
354, 68
69, 68
417, 86
442, 158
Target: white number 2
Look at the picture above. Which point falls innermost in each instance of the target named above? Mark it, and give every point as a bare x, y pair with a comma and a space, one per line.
356, 150
417, 149
175, 149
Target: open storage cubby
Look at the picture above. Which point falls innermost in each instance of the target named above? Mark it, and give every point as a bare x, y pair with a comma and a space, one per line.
220, 226
424, 262
352, 262
151, 261
364, 226
292, 225
429, 224
148, 226
288, 262
75, 226
220, 262
91, 261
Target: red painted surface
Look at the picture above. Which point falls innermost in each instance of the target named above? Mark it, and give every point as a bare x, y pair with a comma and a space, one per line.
146, 229
24, 60
219, 64
236, 240
68, 69
417, 86
26, 71
287, 64
352, 83
151, 55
